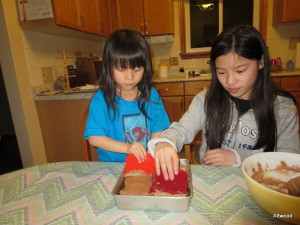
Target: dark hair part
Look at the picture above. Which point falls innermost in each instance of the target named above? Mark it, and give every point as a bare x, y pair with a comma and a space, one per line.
247, 42
126, 49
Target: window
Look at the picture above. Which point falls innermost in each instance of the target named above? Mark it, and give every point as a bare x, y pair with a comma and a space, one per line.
202, 20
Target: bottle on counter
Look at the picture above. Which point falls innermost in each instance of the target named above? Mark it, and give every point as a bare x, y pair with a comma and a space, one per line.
273, 66
290, 65
279, 63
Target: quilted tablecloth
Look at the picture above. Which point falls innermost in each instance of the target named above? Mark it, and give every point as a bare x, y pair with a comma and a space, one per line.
80, 193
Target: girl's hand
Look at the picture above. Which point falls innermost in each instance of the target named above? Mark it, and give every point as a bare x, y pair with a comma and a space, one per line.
138, 150
219, 157
167, 160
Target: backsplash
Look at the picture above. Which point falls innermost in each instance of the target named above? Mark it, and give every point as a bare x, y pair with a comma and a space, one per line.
45, 50
281, 41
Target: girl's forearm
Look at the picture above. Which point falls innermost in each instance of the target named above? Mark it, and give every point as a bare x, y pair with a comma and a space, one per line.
113, 145
155, 135
108, 144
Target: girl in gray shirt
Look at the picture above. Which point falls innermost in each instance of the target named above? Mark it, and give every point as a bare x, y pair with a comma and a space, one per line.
241, 114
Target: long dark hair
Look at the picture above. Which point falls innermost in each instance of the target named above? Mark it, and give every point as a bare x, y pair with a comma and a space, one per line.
126, 49
247, 42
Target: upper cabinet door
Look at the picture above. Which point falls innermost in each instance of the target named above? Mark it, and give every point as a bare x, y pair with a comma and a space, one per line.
285, 11
150, 17
66, 13
158, 17
89, 16
107, 18
130, 15
291, 10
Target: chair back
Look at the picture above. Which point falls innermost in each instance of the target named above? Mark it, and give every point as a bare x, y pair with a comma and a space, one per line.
86, 150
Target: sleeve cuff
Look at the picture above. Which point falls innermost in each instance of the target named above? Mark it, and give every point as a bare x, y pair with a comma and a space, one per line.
238, 158
152, 144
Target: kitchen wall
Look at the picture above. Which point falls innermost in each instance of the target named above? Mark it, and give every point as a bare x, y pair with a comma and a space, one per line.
282, 38
44, 50
24, 53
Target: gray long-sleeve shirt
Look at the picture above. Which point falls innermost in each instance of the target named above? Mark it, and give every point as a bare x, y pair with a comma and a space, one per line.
243, 133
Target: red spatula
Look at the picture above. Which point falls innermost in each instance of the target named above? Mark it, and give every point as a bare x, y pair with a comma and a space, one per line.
148, 165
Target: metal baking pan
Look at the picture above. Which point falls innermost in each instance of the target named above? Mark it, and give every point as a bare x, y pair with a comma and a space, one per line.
160, 203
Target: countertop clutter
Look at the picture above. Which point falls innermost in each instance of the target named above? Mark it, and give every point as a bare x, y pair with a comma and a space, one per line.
45, 92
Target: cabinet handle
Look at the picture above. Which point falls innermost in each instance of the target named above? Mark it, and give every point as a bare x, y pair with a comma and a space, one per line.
146, 28
163, 90
101, 28
203, 88
142, 28
81, 21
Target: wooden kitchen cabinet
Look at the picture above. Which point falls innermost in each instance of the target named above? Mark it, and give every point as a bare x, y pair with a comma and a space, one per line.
177, 96
285, 11
158, 17
172, 94
193, 88
150, 17
129, 14
296, 94
66, 13
88, 14
107, 17
174, 107
276, 81
91, 16
292, 85
60, 125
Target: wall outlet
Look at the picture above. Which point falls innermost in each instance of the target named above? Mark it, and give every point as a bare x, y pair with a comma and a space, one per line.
173, 61
47, 74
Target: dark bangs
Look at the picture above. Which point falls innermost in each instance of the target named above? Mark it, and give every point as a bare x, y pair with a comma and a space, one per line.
129, 57
130, 50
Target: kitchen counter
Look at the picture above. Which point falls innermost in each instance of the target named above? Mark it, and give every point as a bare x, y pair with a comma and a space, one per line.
46, 92
74, 95
179, 77
207, 76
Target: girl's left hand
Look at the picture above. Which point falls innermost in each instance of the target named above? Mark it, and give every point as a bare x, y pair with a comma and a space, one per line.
219, 157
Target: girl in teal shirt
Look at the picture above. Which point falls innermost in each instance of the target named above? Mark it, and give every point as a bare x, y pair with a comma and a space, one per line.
126, 112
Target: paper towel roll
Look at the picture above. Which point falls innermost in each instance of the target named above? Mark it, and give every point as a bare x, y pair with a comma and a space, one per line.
163, 70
